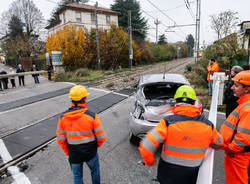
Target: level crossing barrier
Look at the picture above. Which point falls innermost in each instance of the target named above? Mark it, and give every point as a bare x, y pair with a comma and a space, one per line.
22, 74
205, 175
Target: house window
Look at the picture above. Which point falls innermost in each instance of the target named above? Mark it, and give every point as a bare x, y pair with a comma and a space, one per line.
92, 18
78, 17
108, 19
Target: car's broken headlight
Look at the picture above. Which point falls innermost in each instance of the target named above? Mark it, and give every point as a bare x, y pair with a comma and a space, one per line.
142, 110
139, 110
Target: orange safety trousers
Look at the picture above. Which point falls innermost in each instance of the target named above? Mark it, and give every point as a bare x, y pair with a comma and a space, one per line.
236, 168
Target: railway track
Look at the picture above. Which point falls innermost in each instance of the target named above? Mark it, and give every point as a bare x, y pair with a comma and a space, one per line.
41, 129
126, 79
119, 81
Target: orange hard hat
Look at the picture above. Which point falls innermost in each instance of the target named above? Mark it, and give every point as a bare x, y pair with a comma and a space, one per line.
243, 77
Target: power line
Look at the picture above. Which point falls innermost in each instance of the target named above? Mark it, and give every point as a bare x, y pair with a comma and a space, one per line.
161, 23
189, 9
179, 6
148, 14
165, 15
181, 25
161, 11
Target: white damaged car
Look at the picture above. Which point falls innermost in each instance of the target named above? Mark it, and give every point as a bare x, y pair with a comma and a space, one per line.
153, 101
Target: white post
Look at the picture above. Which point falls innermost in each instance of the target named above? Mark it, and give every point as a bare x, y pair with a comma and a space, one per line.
205, 175
220, 76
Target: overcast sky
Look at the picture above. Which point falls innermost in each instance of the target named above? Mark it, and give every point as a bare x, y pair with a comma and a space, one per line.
173, 9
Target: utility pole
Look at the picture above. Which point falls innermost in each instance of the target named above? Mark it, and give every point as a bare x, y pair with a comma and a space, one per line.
97, 38
157, 22
130, 40
197, 30
199, 23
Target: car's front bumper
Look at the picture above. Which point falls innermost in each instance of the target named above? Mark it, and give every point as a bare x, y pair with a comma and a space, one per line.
140, 127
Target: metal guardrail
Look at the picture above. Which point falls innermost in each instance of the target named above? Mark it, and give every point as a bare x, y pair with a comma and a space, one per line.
205, 175
22, 74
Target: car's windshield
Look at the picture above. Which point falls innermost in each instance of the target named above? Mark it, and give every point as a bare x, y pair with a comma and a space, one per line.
160, 91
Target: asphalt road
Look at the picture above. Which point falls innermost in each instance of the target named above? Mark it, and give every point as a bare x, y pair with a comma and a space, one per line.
120, 161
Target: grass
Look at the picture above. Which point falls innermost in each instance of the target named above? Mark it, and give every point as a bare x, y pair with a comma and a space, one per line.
80, 75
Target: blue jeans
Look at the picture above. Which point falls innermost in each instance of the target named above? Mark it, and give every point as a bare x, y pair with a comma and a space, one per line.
210, 86
94, 167
36, 79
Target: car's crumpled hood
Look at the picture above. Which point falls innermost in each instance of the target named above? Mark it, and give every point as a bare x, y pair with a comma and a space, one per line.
153, 113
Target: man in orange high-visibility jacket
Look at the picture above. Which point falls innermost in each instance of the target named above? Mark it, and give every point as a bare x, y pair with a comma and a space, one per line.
185, 135
236, 133
79, 134
211, 68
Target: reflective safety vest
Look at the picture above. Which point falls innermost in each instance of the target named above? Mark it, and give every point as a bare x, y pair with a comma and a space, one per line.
79, 133
214, 68
185, 135
236, 129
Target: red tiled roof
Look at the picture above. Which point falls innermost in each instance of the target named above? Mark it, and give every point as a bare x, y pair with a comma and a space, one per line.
89, 7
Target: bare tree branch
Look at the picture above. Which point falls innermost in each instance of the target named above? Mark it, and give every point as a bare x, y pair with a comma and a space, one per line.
28, 13
224, 23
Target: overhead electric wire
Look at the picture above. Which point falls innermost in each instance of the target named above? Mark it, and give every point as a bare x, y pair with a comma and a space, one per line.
189, 9
162, 24
179, 6
148, 14
165, 15
161, 11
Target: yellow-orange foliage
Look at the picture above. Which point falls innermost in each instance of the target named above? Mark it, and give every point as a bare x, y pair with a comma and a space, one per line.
79, 50
115, 48
71, 41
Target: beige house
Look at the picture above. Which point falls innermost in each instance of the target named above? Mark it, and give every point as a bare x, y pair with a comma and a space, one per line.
82, 15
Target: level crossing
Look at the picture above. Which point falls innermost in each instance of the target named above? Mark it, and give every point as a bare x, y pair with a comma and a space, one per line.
123, 166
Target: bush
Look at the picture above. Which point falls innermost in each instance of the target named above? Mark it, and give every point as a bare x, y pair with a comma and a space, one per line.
83, 72
189, 68
196, 79
163, 52
110, 85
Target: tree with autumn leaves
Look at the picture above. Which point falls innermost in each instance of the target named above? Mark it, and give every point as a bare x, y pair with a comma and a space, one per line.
78, 48
72, 43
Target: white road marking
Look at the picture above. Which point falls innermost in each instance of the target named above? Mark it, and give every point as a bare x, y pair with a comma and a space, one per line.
18, 176
107, 91
103, 90
71, 83
4, 152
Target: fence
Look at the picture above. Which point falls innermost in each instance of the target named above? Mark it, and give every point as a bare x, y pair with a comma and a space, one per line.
22, 74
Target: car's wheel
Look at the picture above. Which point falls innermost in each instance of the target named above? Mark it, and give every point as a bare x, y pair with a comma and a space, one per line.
134, 140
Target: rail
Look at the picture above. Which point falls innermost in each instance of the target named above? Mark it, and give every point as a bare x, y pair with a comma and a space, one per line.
205, 175
22, 74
